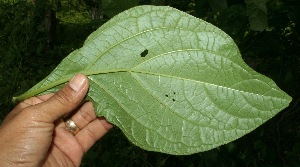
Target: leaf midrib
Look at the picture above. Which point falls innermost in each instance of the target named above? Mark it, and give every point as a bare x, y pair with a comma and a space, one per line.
89, 73
98, 72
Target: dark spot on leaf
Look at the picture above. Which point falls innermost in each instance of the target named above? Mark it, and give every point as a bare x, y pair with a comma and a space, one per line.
174, 93
166, 95
144, 53
173, 100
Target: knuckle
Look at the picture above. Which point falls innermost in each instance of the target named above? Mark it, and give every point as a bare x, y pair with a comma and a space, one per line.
65, 96
91, 133
85, 115
27, 112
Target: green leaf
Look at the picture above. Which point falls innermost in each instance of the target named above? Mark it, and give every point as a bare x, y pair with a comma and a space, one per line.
171, 82
257, 11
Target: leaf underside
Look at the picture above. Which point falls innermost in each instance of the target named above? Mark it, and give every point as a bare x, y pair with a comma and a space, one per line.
171, 82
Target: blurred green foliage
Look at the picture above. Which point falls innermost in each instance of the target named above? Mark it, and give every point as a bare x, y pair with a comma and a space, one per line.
36, 35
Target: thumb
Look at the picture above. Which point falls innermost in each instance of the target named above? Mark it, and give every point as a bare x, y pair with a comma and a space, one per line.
65, 100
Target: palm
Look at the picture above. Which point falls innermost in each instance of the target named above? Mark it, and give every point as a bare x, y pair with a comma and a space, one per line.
65, 151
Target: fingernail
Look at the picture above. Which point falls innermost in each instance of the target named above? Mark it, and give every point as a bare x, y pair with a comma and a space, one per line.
77, 82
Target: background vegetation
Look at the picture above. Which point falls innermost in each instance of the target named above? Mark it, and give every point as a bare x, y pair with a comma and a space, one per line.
35, 35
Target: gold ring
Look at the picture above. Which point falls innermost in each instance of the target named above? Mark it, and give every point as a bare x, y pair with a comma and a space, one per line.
71, 126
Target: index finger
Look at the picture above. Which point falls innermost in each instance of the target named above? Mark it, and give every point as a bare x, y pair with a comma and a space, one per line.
26, 103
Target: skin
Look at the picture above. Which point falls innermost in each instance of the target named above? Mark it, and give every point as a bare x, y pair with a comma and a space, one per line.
33, 133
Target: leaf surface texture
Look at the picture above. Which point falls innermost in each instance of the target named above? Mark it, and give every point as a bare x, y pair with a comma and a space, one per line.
171, 82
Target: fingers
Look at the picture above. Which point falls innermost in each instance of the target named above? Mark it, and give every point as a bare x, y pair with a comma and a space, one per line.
92, 132
21, 106
91, 127
84, 115
63, 101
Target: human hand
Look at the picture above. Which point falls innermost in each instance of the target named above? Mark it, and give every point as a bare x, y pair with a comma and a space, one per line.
34, 134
